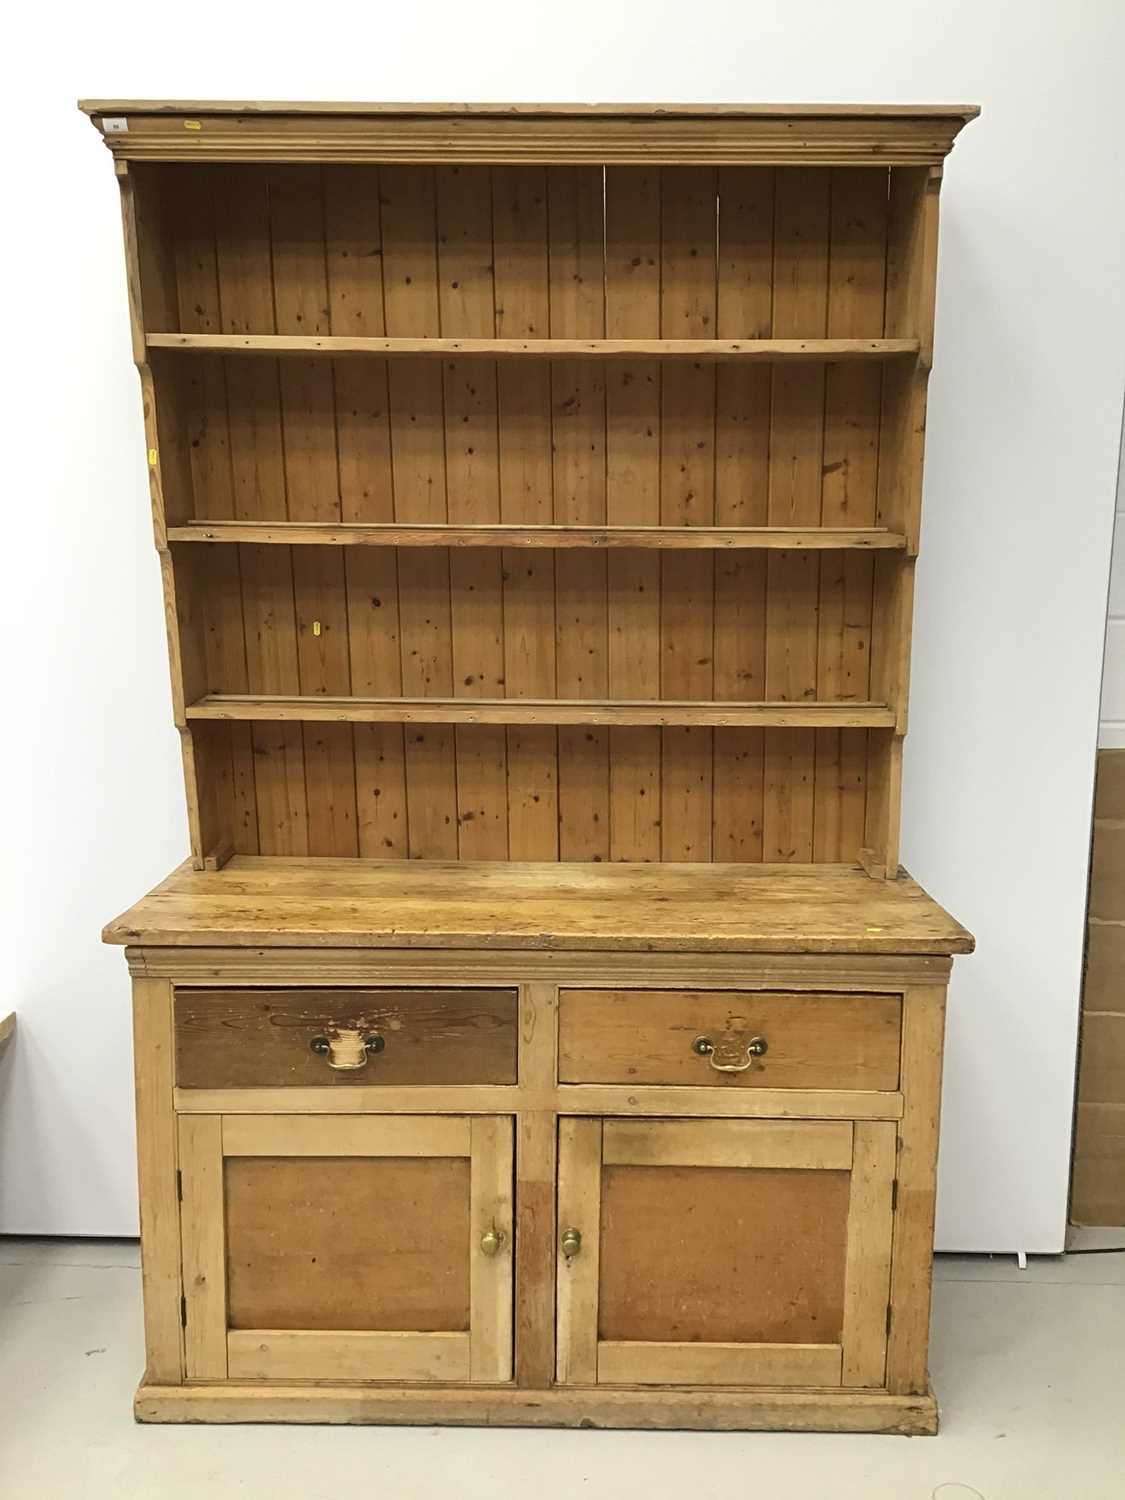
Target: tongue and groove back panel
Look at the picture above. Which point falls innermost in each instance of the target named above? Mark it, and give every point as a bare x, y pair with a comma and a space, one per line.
537, 252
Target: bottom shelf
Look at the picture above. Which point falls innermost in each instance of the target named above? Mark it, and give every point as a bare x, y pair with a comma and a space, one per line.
583, 792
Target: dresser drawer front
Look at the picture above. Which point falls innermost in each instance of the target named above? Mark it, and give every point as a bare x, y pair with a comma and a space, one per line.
730, 1038
251, 1038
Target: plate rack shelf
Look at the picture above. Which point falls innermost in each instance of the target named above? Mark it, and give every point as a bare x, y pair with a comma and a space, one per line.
528, 510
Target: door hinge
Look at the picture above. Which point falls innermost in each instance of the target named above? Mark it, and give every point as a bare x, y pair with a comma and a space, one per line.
894, 1195
179, 1186
183, 1311
889, 1316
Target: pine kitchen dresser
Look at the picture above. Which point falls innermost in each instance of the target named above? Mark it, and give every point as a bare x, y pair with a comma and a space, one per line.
543, 1030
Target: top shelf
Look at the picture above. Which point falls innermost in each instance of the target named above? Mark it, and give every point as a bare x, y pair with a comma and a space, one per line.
763, 351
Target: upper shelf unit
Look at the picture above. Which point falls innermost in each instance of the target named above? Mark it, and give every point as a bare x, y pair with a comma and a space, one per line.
536, 483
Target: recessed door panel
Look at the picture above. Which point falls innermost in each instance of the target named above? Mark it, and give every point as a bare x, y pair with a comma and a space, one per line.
347, 1248
724, 1252
360, 1243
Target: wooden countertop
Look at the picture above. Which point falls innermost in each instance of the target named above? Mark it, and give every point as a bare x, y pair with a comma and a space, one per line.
344, 903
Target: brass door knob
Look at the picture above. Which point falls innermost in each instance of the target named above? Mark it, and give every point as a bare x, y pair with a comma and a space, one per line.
491, 1241
571, 1242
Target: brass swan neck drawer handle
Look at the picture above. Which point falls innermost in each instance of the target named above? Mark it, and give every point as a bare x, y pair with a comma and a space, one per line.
347, 1049
730, 1054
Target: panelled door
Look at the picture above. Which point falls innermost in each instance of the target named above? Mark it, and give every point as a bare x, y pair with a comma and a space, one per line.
347, 1247
724, 1252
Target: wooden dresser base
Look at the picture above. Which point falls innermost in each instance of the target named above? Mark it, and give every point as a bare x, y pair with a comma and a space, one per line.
667, 1410
563, 1185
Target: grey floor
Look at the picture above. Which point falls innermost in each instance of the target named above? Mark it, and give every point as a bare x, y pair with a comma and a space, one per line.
1029, 1367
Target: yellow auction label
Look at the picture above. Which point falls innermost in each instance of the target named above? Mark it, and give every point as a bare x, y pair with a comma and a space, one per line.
193, 124
152, 458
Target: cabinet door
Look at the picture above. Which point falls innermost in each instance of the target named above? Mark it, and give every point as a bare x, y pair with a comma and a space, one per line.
724, 1252
347, 1247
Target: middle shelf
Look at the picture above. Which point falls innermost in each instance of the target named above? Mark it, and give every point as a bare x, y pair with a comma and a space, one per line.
770, 351
669, 538
603, 711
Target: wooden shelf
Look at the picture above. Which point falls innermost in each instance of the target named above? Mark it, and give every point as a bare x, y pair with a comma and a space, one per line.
669, 538
322, 708
746, 350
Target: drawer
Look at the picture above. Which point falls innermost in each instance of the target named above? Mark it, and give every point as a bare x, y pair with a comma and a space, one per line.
250, 1038
714, 1038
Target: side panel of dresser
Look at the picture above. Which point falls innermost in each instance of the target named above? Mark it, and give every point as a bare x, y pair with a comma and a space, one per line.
157, 1175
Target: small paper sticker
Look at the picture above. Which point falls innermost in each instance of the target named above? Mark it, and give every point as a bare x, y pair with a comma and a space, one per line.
115, 125
193, 124
152, 458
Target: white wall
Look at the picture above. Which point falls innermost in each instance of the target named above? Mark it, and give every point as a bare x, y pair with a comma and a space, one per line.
1026, 400
1111, 730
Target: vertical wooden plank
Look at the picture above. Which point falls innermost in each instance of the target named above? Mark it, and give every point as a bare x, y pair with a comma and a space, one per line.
632, 207
197, 281
580, 1192
191, 228
152, 288
203, 1247
520, 273
535, 1190
207, 772
242, 233
196, 606
912, 1252
156, 1174
150, 272
149, 257
892, 614
308, 416
410, 292
490, 1276
883, 824
577, 310
867, 1271
533, 792
912, 231
742, 436
856, 288
800, 307
535, 1248
467, 309
354, 249
688, 309
538, 1042
912, 228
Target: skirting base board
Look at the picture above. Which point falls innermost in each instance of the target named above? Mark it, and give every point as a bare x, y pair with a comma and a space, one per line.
508, 1406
